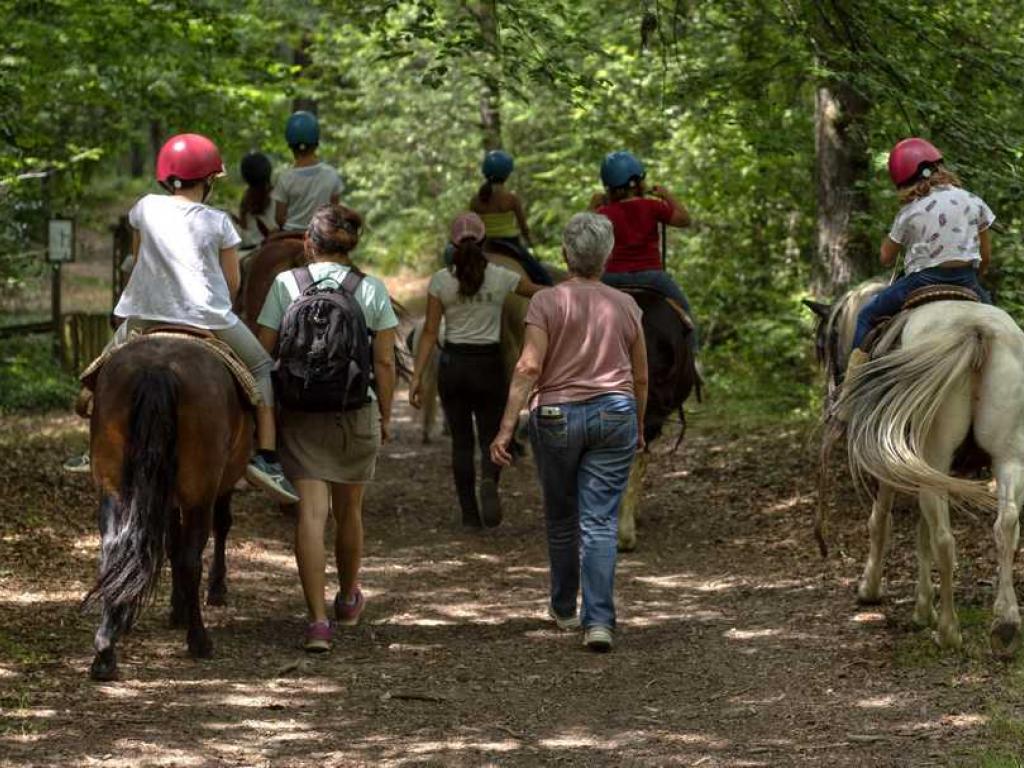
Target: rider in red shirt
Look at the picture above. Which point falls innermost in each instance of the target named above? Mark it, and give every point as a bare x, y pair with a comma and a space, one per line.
637, 220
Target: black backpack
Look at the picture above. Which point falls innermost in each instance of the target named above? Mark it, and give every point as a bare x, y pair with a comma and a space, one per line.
324, 356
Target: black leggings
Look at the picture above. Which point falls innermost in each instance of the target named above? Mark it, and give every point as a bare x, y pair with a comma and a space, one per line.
471, 382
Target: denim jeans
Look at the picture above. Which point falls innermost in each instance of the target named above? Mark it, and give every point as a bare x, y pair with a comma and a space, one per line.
890, 300
660, 281
584, 452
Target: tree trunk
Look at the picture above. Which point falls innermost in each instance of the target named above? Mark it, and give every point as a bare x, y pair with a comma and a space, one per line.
302, 59
842, 172
490, 95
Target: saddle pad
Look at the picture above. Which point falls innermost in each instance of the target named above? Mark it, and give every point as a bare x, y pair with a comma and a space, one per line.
929, 293
235, 366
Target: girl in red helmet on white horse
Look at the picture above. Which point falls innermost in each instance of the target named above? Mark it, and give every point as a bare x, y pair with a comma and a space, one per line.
942, 229
186, 272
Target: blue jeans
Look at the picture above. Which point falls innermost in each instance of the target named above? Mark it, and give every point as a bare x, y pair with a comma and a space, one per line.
584, 452
660, 281
890, 300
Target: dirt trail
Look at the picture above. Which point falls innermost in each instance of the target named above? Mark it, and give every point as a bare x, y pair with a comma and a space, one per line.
738, 646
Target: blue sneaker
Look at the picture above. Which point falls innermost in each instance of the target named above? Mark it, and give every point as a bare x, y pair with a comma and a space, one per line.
270, 477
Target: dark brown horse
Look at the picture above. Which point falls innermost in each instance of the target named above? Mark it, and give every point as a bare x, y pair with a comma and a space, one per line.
280, 252
171, 433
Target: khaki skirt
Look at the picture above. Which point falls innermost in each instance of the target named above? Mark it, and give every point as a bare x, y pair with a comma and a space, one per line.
337, 447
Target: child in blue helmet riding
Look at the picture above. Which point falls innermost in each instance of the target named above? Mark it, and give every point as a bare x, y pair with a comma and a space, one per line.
503, 215
310, 183
637, 220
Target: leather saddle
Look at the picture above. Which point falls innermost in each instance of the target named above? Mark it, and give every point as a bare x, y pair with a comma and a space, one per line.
200, 336
643, 290
918, 298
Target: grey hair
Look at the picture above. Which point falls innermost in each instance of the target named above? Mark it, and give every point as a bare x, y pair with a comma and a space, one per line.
588, 241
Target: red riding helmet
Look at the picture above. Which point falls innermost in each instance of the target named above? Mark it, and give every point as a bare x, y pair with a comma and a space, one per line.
188, 157
908, 156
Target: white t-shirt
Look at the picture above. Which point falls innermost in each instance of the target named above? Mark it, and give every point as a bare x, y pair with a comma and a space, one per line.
178, 277
473, 319
942, 226
252, 236
304, 190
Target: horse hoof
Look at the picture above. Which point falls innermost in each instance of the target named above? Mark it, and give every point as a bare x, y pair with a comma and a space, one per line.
868, 597
949, 640
1005, 639
201, 647
218, 597
924, 618
104, 667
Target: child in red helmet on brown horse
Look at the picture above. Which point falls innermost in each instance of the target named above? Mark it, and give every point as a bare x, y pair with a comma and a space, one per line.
942, 229
186, 273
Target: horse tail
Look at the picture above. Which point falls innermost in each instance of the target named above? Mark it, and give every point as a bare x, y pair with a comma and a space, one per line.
890, 405
133, 555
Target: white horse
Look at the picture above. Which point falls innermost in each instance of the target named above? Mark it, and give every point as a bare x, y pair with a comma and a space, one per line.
941, 371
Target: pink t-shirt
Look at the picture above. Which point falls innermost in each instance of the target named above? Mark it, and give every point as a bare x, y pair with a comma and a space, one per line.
590, 329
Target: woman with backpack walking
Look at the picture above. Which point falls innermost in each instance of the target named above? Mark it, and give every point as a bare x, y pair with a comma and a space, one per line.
331, 429
469, 296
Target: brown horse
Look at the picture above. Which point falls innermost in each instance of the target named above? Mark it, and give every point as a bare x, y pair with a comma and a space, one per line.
171, 433
280, 252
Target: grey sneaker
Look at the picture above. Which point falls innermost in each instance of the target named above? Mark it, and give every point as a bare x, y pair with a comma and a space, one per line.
598, 639
270, 477
79, 465
490, 503
564, 623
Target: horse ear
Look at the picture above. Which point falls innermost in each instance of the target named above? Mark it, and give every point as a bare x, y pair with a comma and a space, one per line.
821, 310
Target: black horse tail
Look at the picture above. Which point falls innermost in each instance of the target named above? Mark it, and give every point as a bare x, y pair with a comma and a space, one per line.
133, 554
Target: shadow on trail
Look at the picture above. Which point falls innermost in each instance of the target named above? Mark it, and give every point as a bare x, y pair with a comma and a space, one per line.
736, 646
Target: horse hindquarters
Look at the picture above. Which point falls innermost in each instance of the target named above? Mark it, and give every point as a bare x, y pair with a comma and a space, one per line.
133, 524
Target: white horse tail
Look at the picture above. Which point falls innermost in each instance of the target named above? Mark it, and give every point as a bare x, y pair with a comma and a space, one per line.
890, 405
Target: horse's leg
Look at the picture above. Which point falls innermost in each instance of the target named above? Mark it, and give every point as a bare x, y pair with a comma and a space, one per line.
1005, 633
935, 508
104, 663
196, 532
178, 617
217, 593
924, 603
631, 502
869, 591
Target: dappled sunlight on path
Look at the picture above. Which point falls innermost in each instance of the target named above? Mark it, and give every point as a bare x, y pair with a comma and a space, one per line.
737, 645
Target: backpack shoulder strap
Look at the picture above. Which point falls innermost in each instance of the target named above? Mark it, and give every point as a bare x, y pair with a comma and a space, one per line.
352, 280
303, 277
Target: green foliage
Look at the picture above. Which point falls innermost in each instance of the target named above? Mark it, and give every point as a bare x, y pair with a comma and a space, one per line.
30, 378
717, 98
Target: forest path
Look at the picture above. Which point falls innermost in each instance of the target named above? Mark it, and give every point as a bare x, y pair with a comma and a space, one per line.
738, 645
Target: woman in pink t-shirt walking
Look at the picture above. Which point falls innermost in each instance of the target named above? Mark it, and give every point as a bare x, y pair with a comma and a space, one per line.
584, 369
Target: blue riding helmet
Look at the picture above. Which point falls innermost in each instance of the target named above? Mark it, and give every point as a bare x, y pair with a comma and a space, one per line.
256, 169
302, 130
618, 169
497, 165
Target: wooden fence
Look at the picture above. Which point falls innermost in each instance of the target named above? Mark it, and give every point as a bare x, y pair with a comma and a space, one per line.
85, 336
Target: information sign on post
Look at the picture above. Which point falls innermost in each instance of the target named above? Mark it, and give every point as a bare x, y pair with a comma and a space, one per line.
60, 246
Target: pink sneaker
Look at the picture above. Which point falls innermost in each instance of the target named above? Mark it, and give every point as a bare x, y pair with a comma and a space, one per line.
347, 613
318, 637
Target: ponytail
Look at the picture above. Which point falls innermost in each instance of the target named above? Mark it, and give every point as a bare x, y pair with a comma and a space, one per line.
469, 264
486, 191
255, 201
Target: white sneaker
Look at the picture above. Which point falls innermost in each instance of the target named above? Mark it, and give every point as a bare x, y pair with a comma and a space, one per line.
79, 465
598, 639
564, 623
